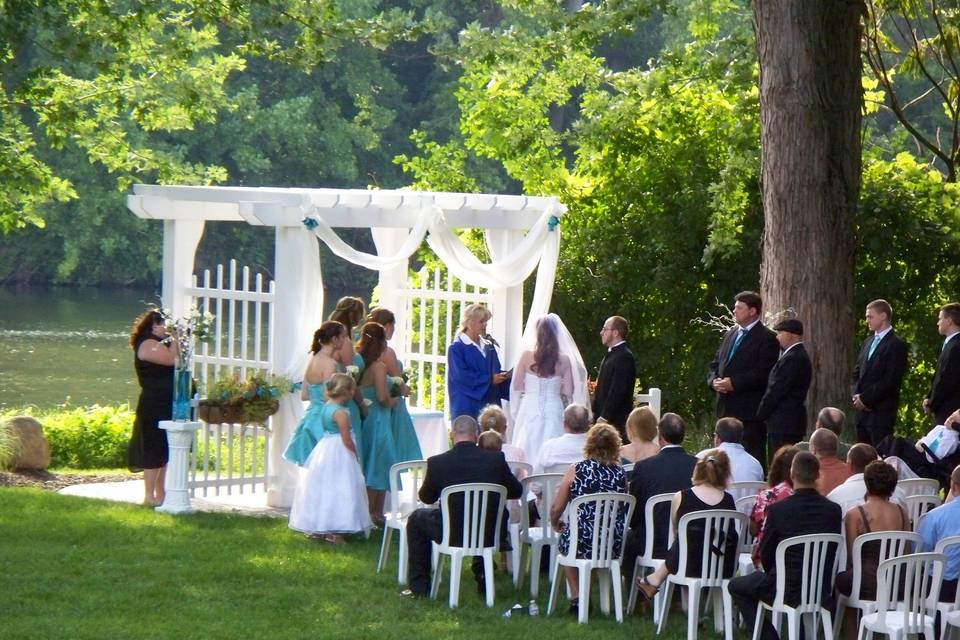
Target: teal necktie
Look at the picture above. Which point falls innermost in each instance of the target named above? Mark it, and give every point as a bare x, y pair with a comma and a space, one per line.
873, 347
736, 344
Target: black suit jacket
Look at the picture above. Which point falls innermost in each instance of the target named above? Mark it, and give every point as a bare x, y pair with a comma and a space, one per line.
748, 371
944, 393
613, 397
667, 472
783, 406
466, 462
877, 380
820, 515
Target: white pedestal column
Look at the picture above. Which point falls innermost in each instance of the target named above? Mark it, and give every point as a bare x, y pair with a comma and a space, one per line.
179, 439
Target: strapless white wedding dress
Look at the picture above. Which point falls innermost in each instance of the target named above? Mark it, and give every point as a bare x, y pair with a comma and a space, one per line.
540, 416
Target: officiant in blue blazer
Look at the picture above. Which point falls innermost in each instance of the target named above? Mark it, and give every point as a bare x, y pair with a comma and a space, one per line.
474, 373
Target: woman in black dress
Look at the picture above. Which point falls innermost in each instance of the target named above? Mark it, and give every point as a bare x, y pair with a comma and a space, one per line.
153, 361
710, 479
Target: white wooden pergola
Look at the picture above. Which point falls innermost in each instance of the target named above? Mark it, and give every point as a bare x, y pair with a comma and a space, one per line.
520, 233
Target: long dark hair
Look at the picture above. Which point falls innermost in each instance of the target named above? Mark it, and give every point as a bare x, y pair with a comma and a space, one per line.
327, 332
547, 352
372, 343
381, 315
780, 465
348, 312
143, 326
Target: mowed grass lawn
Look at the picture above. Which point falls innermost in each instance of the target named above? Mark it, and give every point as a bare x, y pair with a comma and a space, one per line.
78, 568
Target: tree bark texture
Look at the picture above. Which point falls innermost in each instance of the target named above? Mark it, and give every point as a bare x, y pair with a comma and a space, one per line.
810, 115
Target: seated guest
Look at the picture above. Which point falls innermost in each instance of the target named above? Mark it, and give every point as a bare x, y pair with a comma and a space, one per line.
823, 444
567, 448
877, 513
490, 441
819, 515
710, 479
852, 491
642, 431
492, 418
667, 472
598, 472
780, 486
833, 419
940, 523
464, 462
727, 436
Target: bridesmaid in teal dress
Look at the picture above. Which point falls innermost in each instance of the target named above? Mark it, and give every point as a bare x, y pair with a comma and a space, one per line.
349, 312
406, 444
327, 340
376, 443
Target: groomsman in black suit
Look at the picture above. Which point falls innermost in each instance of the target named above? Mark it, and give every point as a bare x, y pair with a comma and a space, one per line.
875, 387
739, 371
783, 405
944, 396
613, 396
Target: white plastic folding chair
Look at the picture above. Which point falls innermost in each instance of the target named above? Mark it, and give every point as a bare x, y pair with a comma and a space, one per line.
914, 611
628, 468
945, 609
746, 488
560, 467
520, 470
652, 398
718, 526
745, 558
646, 560
892, 544
919, 487
918, 506
478, 506
609, 510
537, 536
404, 500
814, 550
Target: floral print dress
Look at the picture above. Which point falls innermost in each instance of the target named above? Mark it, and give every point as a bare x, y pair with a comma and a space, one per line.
592, 477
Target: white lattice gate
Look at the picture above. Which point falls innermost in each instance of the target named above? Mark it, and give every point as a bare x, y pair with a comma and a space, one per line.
232, 458
434, 301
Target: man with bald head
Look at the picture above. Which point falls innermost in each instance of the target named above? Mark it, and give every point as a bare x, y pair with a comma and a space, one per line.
833, 419
833, 473
464, 462
566, 448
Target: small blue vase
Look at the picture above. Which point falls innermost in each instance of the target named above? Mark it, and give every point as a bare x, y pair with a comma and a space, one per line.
182, 379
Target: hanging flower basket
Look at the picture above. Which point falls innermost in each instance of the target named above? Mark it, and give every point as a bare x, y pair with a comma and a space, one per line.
249, 401
214, 412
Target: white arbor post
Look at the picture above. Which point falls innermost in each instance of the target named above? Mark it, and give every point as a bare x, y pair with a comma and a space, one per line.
392, 281
180, 240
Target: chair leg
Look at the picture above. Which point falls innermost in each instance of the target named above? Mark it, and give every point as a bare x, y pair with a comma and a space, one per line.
862, 631
841, 609
384, 548
632, 593
716, 602
402, 563
727, 611
535, 550
666, 591
522, 567
793, 625
488, 575
827, 619
693, 611
554, 593
583, 572
603, 578
437, 573
617, 581
456, 569
515, 555
758, 621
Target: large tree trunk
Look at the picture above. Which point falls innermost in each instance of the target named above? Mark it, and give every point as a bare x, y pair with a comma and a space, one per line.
810, 100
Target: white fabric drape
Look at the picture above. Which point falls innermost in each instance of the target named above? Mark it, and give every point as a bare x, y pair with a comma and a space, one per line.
369, 260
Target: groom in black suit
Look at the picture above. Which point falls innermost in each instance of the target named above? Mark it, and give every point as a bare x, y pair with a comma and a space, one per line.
783, 405
877, 376
739, 371
613, 396
465, 462
944, 396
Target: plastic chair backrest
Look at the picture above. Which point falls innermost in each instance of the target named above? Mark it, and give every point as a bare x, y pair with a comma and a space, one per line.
920, 574
717, 525
548, 483
477, 506
745, 506
747, 488
919, 487
520, 470
415, 470
651, 398
628, 468
892, 544
814, 549
918, 505
560, 467
610, 508
648, 524
941, 547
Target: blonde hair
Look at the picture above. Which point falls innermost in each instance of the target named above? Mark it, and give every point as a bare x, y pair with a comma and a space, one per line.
493, 418
472, 313
340, 385
713, 469
603, 444
490, 440
642, 424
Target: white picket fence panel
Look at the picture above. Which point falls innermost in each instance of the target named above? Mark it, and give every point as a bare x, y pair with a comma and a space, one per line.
432, 319
231, 458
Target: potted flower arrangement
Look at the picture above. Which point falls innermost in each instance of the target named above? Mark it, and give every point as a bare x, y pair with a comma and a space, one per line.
231, 399
185, 333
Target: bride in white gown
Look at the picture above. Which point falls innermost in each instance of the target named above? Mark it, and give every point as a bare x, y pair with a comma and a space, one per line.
549, 376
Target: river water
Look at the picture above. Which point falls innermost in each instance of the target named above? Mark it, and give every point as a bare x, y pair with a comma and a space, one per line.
68, 346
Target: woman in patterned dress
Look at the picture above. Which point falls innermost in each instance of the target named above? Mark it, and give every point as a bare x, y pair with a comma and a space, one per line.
599, 472
779, 487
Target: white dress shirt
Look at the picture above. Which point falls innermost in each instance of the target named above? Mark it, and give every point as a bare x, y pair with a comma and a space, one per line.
743, 466
851, 493
564, 449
